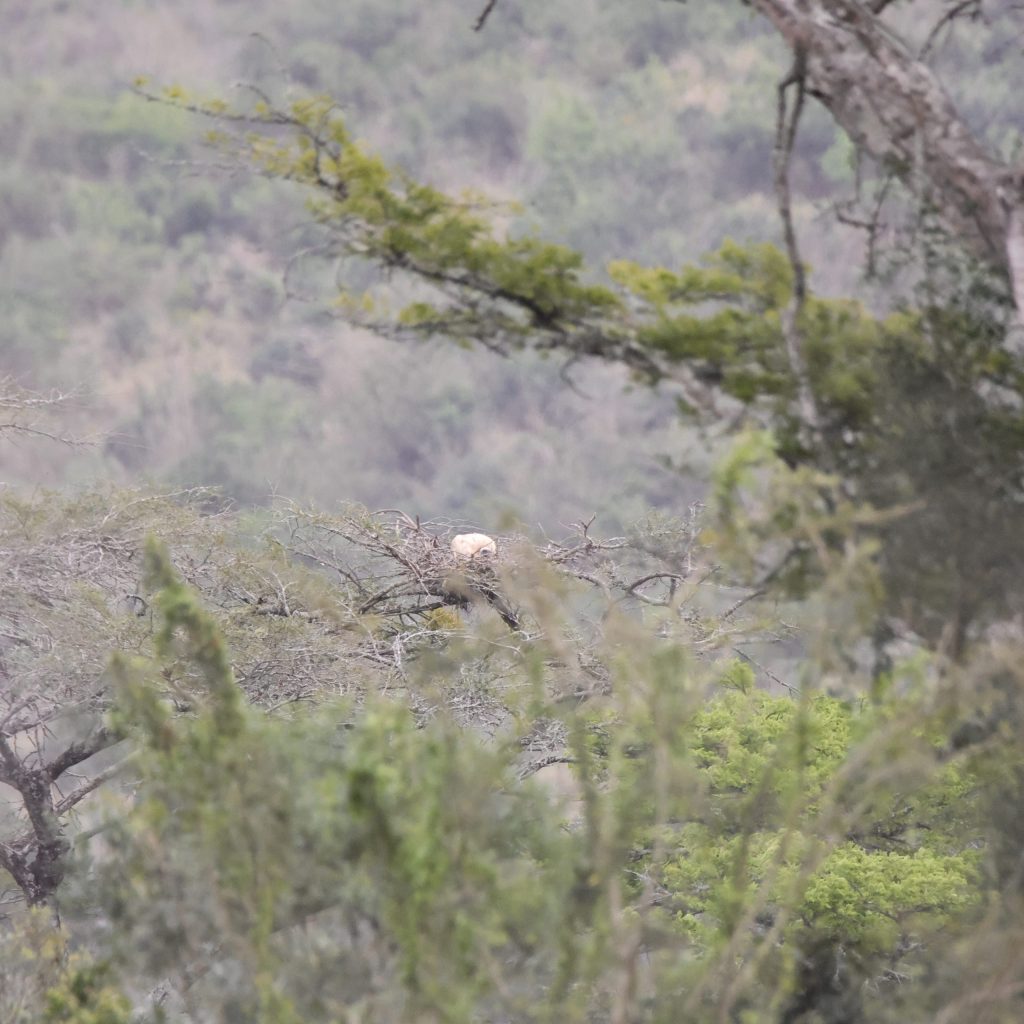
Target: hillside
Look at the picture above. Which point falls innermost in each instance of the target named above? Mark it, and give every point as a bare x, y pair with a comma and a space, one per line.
135, 271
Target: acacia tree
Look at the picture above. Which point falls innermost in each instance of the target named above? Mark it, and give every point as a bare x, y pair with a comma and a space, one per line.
329, 605
330, 863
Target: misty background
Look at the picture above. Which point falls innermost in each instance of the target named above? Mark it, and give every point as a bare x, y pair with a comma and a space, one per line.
139, 272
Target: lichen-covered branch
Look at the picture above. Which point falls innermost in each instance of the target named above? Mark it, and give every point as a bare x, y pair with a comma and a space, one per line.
895, 108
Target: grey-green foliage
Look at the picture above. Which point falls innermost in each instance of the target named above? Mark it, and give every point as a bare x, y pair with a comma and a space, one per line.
334, 862
735, 853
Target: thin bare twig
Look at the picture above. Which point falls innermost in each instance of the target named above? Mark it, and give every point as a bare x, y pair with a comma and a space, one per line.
965, 8
743, 656
484, 15
94, 783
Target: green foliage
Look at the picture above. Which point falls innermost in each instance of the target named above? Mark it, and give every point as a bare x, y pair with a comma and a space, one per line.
796, 528
737, 736
247, 824
724, 318
769, 845
397, 222
203, 643
747, 808
41, 980
84, 997
873, 900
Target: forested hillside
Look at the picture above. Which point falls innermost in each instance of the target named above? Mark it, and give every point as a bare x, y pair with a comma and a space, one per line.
136, 272
510, 512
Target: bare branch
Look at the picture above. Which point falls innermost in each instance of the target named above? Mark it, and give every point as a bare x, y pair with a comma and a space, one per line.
743, 656
91, 785
21, 403
786, 125
484, 15
99, 739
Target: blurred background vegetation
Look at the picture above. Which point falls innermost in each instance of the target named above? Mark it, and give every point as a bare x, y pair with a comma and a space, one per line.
132, 269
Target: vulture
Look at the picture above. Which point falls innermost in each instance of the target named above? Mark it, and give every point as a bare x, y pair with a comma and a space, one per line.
469, 545
479, 546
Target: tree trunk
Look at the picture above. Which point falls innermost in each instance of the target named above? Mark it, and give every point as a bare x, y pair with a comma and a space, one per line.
895, 109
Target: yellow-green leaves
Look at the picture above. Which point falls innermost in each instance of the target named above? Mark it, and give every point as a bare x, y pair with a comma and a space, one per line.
871, 899
740, 736
758, 273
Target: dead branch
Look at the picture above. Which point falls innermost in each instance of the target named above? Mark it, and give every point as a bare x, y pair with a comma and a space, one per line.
92, 784
786, 124
484, 15
28, 409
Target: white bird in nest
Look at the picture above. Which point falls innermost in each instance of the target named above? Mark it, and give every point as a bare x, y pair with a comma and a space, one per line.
472, 545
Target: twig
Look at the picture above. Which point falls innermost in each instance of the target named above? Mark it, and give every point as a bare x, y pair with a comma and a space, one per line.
94, 783
972, 8
768, 672
544, 762
735, 607
484, 15
26, 431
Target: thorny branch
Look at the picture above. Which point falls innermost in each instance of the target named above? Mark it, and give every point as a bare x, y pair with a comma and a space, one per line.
27, 410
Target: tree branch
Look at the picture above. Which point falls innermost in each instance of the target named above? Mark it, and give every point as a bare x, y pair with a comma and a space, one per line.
894, 108
47, 868
786, 124
971, 8
99, 739
93, 784
15, 865
484, 15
